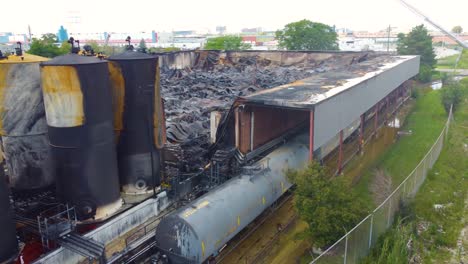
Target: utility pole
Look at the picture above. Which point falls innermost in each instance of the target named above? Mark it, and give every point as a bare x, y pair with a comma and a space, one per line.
30, 34
388, 37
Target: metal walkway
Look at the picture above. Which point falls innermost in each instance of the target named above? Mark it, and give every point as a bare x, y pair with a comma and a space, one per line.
84, 246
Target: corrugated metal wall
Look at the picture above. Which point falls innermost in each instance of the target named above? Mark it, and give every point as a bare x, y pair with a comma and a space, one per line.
339, 111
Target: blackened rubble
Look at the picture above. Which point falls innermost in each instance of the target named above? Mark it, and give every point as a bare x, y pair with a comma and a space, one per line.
214, 83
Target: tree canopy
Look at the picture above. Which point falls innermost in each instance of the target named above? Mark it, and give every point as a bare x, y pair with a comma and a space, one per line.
452, 94
228, 42
457, 29
46, 46
326, 203
307, 35
419, 42
105, 49
142, 46
49, 38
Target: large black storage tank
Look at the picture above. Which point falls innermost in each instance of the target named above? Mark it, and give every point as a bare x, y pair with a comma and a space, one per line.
23, 126
138, 120
78, 104
8, 242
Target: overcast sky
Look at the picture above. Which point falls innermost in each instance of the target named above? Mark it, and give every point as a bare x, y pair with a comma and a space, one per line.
166, 15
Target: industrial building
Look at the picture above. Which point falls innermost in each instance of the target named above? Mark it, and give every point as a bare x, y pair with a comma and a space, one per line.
173, 154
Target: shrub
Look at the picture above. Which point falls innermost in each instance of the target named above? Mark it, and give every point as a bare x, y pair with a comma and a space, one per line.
326, 203
451, 95
425, 74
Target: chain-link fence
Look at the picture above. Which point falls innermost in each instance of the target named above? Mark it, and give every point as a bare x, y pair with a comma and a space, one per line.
357, 243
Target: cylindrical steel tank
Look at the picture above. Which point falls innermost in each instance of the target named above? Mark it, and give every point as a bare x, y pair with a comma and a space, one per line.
138, 120
197, 231
23, 126
8, 242
78, 105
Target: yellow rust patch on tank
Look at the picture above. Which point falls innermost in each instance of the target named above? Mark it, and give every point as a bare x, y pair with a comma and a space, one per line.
63, 98
159, 126
4, 69
203, 248
118, 95
25, 58
192, 210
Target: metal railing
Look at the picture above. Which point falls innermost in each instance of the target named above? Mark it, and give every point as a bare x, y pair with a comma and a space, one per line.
357, 243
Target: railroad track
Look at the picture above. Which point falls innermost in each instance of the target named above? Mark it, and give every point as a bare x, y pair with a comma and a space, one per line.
221, 258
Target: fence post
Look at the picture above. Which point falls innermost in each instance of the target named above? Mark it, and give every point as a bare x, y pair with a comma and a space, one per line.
404, 190
371, 228
424, 169
346, 249
431, 163
389, 211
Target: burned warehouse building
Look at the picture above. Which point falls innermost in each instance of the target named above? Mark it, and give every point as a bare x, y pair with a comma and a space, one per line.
173, 153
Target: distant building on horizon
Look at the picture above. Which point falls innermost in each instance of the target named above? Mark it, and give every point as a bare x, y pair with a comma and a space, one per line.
12, 38
221, 30
62, 34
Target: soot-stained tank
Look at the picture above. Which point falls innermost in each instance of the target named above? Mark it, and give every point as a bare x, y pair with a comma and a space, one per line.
23, 126
78, 105
199, 230
138, 120
8, 242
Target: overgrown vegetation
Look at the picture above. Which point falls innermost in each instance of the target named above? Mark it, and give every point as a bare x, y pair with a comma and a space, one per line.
450, 61
394, 247
451, 95
434, 219
307, 35
425, 123
419, 42
105, 49
228, 42
47, 46
326, 203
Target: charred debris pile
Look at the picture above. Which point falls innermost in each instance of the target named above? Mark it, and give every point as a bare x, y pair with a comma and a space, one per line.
215, 81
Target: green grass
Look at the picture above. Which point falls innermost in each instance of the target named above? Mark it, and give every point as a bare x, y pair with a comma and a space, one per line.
391, 247
449, 62
426, 122
446, 184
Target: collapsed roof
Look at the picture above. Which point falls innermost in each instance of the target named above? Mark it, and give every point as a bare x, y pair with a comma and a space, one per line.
195, 84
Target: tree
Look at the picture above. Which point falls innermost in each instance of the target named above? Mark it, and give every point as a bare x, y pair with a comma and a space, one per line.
142, 46
46, 47
307, 35
94, 46
228, 42
49, 38
64, 48
418, 42
327, 204
457, 29
451, 95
